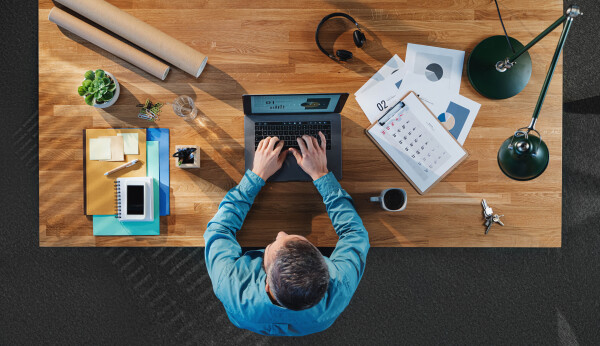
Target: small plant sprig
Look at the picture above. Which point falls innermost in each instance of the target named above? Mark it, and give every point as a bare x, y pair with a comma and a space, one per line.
97, 87
149, 110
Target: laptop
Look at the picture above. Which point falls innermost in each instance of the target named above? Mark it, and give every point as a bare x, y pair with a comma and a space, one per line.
291, 116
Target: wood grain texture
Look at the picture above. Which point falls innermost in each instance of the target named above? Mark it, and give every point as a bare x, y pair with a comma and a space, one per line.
268, 47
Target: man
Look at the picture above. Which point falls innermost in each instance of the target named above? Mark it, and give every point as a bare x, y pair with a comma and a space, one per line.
288, 288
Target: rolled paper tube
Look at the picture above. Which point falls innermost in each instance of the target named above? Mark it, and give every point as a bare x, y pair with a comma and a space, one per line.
140, 33
103, 40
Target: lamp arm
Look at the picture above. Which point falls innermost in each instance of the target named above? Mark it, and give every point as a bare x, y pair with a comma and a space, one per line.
561, 43
543, 34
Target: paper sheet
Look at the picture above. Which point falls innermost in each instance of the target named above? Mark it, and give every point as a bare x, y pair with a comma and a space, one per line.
381, 91
378, 99
394, 66
459, 116
116, 148
130, 143
100, 149
434, 74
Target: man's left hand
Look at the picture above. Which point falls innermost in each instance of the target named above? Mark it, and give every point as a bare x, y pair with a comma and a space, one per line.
268, 158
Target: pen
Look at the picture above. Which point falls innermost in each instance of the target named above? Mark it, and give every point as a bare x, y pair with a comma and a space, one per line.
397, 107
128, 164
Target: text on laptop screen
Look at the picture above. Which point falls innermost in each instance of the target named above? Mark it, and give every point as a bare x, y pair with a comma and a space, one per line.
279, 104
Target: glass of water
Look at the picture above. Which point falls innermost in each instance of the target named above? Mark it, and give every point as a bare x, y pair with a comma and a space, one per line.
184, 107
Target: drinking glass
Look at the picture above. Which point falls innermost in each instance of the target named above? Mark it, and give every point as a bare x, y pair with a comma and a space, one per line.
184, 107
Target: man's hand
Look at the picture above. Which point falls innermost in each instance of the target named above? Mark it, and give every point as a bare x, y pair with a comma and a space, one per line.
312, 159
268, 157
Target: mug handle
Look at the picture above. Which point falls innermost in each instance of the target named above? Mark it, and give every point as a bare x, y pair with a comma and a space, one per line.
375, 199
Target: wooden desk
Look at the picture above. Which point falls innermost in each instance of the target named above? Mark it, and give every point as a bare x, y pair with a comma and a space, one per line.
268, 47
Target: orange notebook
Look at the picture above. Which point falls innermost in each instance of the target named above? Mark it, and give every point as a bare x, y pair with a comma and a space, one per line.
99, 194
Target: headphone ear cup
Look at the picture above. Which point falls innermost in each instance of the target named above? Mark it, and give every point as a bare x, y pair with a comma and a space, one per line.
359, 38
343, 55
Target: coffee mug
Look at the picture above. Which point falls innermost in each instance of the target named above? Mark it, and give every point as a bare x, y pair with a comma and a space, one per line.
391, 199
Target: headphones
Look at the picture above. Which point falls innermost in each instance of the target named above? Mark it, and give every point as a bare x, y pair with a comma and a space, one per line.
358, 36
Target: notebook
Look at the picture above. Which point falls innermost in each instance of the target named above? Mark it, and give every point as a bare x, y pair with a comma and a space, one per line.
107, 225
162, 137
98, 193
416, 143
134, 199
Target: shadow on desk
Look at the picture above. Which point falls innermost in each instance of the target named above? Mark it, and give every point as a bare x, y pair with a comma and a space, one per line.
220, 85
291, 207
220, 140
211, 172
123, 114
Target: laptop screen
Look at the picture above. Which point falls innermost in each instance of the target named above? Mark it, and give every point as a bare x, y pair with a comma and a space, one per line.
294, 103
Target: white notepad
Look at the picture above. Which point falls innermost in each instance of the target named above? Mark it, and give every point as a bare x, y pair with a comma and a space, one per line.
416, 143
134, 199
130, 143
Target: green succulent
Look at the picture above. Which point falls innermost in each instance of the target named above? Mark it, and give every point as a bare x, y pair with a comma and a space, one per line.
97, 86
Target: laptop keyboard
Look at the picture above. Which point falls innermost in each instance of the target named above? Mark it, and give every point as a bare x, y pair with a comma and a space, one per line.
290, 130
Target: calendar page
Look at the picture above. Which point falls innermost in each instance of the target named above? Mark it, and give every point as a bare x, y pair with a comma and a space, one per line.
417, 143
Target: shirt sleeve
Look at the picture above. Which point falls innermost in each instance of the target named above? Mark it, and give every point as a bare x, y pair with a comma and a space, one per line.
350, 253
222, 249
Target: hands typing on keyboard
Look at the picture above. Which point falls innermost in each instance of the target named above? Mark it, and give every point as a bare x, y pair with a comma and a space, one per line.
310, 156
289, 131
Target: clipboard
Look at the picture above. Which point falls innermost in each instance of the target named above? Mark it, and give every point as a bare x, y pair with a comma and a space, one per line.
434, 136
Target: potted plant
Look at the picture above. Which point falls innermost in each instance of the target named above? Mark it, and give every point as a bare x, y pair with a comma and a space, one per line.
99, 89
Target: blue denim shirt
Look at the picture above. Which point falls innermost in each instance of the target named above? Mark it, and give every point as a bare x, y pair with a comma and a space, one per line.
239, 280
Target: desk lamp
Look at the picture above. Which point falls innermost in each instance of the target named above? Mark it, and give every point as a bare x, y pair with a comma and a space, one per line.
523, 156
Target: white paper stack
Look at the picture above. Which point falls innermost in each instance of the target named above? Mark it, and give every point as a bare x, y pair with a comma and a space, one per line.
434, 74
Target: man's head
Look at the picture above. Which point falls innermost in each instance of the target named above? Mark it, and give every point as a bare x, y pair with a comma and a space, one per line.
297, 275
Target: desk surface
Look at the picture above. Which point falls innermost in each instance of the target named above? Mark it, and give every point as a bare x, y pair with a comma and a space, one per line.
268, 47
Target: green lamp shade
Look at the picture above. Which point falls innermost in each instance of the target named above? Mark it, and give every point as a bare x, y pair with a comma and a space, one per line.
491, 83
526, 159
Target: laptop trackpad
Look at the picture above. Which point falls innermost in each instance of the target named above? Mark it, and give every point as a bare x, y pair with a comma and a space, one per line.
290, 171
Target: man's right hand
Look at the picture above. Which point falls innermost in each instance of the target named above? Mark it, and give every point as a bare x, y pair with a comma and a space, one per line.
312, 158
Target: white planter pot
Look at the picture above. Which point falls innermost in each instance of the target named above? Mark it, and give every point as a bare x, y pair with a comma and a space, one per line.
115, 96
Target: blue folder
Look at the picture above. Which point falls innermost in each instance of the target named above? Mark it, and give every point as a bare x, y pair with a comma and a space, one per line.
110, 225
162, 137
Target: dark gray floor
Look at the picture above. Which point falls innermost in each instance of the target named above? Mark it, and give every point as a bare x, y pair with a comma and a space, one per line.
426, 296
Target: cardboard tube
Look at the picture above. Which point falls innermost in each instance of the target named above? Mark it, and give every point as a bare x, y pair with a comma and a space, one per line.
103, 40
140, 33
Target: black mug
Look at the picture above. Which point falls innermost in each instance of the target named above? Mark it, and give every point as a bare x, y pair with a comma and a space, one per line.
391, 199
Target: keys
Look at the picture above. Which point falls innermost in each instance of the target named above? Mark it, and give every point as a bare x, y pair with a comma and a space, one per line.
487, 210
496, 219
488, 224
490, 217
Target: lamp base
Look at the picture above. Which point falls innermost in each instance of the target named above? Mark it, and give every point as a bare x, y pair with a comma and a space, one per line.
523, 165
486, 79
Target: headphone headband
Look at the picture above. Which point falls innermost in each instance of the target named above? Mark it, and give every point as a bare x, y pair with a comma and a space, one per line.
326, 18
337, 14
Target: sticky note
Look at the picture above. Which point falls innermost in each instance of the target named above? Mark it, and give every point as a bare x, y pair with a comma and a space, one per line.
100, 149
116, 148
130, 143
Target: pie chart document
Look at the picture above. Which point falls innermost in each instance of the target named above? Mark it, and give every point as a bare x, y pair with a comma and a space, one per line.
434, 74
